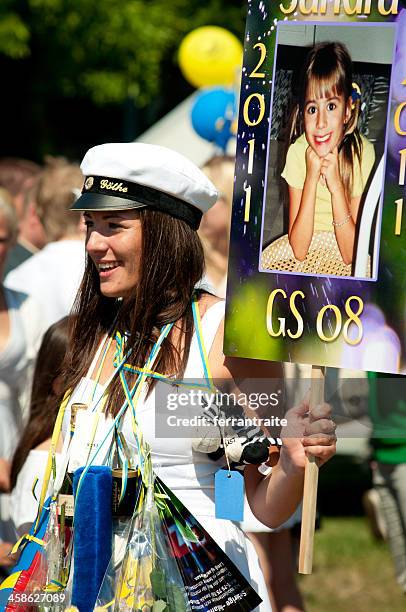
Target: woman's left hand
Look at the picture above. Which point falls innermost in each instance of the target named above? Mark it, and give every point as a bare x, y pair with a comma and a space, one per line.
308, 433
274, 498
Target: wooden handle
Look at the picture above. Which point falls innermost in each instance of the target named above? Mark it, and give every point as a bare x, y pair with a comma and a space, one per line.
310, 484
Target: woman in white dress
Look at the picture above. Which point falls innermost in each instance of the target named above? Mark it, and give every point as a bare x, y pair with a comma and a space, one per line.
142, 205
31, 454
20, 332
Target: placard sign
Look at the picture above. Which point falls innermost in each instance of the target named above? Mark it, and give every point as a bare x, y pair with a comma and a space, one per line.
317, 256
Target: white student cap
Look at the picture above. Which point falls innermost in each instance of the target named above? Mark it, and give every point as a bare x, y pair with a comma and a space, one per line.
128, 175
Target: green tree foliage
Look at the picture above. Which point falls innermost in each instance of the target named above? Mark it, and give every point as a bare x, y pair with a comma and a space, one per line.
14, 33
107, 50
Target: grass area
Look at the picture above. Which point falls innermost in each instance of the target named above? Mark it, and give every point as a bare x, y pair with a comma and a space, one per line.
352, 572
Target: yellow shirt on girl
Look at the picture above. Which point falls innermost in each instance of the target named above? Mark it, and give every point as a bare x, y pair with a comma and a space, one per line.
294, 174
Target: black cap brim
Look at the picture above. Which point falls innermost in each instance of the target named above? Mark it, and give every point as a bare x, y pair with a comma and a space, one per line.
99, 202
108, 194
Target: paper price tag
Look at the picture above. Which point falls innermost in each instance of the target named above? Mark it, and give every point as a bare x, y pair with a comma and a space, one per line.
229, 495
69, 502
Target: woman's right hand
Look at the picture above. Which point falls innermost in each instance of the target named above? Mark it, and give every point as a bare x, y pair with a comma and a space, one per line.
313, 164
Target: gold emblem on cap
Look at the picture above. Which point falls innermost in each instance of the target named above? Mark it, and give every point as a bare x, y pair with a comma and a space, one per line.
89, 182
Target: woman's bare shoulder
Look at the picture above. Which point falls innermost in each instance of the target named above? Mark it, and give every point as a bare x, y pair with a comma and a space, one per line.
226, 367
206, 300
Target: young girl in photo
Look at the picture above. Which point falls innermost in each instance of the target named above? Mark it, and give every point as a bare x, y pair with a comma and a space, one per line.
328, 161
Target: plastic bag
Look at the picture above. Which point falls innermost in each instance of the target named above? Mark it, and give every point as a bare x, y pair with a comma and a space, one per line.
164, 561
41, 584
211, 579
51, 573
143, 576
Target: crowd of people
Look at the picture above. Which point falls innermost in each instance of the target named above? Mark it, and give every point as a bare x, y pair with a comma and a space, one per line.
41, 264
44, 347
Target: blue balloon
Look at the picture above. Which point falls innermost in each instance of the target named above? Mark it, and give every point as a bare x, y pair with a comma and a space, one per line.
213, 115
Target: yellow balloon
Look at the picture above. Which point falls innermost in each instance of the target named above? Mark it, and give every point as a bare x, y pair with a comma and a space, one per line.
210, 56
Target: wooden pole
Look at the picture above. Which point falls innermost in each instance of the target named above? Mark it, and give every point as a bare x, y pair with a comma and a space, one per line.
310, 483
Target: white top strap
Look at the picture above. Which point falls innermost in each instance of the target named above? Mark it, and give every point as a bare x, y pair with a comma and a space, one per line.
210, 323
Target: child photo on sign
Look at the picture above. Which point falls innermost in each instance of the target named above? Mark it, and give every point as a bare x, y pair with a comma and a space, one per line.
329, 137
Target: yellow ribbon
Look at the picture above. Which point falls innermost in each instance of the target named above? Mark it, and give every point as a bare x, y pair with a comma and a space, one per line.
202, 346
29, 538
51, 455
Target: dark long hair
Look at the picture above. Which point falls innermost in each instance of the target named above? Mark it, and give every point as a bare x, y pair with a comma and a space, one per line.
328, 70
44, 401
171, 263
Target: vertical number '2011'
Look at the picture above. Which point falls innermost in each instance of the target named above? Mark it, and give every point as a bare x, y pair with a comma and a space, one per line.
399, 203
252, 119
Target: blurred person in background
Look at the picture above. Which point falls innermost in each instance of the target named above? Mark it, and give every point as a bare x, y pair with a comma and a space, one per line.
31, 455
214, 229
387, 411
18, 176
274, 548
53, 274
20, 332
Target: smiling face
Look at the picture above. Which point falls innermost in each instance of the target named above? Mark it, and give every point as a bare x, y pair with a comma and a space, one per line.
114, 243
324, 120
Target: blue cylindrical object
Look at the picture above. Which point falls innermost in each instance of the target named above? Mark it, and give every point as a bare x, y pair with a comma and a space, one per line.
92, 543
